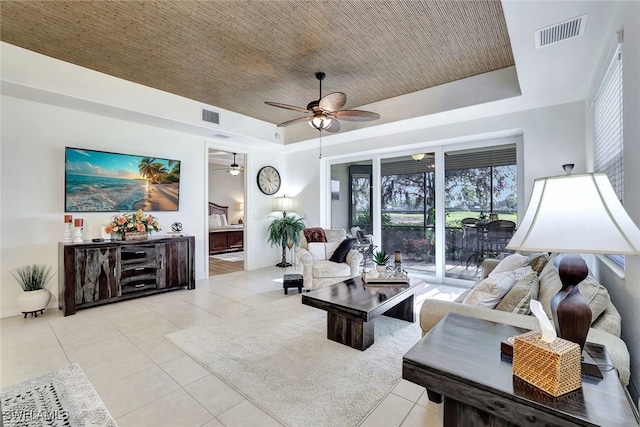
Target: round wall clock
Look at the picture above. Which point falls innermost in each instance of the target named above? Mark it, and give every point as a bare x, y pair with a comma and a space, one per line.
268, 180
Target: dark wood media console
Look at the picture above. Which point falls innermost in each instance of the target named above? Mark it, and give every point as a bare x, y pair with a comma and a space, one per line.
93, 274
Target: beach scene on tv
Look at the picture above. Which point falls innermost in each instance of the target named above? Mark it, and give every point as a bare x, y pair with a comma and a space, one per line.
97, 181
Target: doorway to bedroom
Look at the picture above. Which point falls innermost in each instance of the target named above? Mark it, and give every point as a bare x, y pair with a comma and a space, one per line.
225, 206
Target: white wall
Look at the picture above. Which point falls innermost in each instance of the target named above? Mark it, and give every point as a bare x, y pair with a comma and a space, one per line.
32, 185
33, 139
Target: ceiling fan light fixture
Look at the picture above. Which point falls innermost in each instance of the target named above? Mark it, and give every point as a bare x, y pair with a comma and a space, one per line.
417, 157
320, 122
234, 168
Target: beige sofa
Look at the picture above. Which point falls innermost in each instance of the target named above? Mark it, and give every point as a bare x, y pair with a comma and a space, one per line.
318, 270
605, 326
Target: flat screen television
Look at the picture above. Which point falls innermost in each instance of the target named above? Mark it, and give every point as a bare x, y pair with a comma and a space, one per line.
99, 181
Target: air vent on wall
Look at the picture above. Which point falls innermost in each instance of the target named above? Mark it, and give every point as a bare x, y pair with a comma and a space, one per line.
210, 116
560, 31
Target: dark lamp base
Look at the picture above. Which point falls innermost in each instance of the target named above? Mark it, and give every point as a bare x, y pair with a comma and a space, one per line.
571, 313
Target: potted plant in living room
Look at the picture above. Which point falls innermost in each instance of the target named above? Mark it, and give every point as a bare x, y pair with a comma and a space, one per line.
381, 258
284, 230
33, 279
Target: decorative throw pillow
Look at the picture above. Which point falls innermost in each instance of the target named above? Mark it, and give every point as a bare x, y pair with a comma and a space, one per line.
595, 295
593, 292
315, 234
489, 292
317, 251
538, 260
340, 254
519, 297
550, 284
330, 248
214, 221
510, 263
223, 220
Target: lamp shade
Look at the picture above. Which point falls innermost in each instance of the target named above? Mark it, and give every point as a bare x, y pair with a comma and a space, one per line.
576, 213
240, 206
284, 203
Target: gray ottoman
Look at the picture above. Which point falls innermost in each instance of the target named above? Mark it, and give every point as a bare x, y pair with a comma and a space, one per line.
292, 281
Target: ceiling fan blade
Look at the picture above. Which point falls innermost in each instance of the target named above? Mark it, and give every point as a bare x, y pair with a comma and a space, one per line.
294, 121
333, 127
287, 106
334, 101
356, 115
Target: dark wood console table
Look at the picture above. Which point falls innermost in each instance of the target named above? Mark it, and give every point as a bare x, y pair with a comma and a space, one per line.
91, 274
460, 359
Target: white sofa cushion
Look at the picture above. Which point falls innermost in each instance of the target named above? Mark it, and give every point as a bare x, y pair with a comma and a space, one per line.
326, 268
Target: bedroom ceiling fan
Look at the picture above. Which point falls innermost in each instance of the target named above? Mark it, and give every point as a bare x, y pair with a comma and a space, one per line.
233, 169
324, 113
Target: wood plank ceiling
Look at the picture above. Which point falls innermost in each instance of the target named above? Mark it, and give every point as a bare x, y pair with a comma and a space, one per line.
237, 54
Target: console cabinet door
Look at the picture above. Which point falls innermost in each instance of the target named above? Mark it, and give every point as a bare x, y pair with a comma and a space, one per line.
96, 274
177, 263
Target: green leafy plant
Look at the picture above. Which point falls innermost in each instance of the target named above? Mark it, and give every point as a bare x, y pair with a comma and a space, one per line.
381, 257
33, 277
284, 230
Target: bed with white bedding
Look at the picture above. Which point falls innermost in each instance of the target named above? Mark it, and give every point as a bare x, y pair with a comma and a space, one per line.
223, 237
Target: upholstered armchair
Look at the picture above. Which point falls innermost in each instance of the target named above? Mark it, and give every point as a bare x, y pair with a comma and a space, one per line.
317, 268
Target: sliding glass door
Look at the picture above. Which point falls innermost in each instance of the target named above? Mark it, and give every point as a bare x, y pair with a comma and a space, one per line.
444, 222
408, 197
481, 202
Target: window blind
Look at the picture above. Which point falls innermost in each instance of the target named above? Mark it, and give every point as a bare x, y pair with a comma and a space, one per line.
609, 147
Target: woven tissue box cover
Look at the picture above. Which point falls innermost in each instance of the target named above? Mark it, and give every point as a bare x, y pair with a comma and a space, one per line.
552, 367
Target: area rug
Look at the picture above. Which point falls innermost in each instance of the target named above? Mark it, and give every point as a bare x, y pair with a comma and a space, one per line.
278, 356
230, 257
61, 398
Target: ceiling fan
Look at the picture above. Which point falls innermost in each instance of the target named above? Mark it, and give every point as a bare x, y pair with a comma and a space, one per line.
324, 113
233, 168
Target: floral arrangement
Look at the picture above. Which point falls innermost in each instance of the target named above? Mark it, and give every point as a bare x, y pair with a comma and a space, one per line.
132, 222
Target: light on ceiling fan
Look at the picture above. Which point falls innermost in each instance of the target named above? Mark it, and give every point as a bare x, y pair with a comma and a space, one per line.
320, 122
234, 169
418, 156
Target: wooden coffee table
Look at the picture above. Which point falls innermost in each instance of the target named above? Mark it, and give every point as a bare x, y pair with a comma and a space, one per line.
353, 305
460, 359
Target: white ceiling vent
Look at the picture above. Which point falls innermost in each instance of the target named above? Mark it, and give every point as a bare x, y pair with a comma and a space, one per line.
560, 31
210, 116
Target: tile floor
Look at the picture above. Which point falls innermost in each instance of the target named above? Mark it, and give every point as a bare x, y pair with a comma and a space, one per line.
146, 381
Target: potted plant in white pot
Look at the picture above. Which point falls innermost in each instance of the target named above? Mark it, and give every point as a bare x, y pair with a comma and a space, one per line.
33, 279
381, 259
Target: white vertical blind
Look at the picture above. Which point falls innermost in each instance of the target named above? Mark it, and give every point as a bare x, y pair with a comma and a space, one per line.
609, 147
